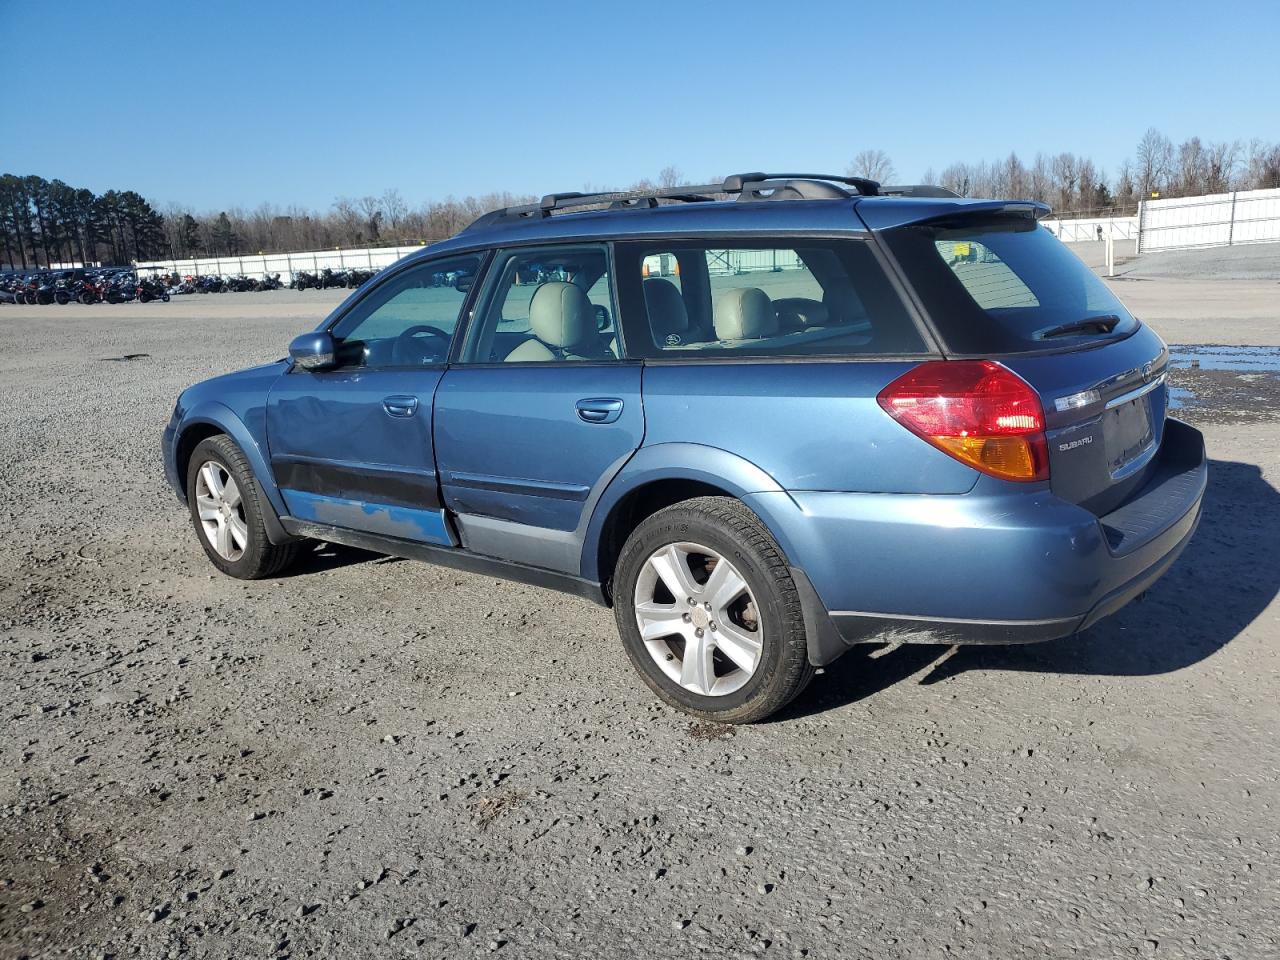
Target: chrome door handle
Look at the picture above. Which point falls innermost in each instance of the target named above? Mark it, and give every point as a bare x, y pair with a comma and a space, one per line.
400, 406
599, 409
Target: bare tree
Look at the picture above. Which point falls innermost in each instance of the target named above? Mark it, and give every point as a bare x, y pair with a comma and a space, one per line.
1016, 182
1221, 160
1124, 192
1191, 173
1066, 177
872, 164
1262, 167
668, 177
394, 207
1155, 154
1041, 179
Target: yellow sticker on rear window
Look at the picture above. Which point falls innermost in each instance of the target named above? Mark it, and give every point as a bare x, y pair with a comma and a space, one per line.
960, 250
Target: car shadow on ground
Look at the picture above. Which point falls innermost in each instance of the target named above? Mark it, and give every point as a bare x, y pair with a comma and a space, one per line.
1228, 575
319, 557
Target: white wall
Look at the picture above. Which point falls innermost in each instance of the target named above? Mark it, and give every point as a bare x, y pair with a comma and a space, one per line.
285, 264
1215, 220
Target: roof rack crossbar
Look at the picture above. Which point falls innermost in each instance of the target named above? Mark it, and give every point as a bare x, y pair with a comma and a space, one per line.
736, 182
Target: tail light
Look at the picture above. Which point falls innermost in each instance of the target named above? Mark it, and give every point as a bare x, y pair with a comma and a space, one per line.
978, 411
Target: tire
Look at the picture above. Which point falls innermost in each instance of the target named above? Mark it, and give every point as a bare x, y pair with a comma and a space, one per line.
62, 298
257, 557
86, 298
144, 297
164, 297
726, 528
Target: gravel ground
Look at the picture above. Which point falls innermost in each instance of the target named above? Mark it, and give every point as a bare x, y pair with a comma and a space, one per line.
1250, 261
376, 758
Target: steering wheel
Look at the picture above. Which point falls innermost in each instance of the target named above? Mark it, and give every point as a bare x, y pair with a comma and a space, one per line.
409, 351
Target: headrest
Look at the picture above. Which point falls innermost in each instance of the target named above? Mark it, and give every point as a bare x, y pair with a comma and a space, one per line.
667, 312
744, 313
801, 312
561, 315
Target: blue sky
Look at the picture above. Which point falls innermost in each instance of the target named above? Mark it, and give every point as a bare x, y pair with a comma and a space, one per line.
234, 103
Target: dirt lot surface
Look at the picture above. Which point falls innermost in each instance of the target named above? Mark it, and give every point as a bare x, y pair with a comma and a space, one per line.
372, 758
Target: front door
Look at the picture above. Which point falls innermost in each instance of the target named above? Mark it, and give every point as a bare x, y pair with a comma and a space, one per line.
540, 413
351, 446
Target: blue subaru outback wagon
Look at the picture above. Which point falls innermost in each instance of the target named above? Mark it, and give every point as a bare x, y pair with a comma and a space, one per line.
765, 420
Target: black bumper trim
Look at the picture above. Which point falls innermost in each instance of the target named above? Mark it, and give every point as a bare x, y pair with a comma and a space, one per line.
881, 628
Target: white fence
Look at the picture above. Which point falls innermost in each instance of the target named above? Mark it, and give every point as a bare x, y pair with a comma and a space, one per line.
1093, 228
1216, 220
285, 264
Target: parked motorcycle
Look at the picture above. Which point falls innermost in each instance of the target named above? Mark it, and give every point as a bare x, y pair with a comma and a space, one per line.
152, 289
121, 290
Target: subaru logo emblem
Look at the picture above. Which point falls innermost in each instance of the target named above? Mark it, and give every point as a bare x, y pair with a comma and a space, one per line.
1146, 372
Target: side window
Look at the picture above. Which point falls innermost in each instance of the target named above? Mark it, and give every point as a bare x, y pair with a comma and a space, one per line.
409, 320
822, 298
546, 304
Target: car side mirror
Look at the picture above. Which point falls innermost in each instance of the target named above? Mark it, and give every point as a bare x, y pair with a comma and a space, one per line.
312, 351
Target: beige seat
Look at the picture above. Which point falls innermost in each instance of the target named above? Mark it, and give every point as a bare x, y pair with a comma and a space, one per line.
744, 313
563, 322
668, 316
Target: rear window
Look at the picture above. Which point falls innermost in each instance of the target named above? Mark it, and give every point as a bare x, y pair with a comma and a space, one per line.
703, 300
1006, 287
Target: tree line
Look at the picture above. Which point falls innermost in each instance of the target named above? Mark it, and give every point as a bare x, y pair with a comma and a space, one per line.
1075, 185
44, 222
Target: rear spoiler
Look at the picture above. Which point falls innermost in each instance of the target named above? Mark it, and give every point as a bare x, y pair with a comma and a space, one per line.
903, 211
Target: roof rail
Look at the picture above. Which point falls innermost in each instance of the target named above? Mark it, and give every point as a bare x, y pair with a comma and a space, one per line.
747, 186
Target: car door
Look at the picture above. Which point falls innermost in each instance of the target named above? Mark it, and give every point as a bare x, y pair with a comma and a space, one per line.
351, 445
540, 412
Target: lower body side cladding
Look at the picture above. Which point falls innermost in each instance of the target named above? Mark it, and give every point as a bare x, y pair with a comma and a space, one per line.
998, 565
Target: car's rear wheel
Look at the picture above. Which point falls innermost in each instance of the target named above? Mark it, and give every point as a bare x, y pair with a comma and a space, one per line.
709, 614
226, 510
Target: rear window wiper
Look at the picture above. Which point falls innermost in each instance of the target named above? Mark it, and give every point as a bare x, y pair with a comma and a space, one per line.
1102, 324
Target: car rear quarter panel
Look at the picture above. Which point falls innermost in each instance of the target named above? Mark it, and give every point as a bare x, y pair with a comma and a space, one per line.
809, 425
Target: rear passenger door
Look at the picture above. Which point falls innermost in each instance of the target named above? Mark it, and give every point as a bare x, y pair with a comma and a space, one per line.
542, 408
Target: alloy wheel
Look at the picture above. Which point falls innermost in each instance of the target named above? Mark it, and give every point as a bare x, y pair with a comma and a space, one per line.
221, 510
698, 619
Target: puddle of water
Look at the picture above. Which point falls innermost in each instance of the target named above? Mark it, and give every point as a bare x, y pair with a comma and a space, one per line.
1179, 397
1257, 359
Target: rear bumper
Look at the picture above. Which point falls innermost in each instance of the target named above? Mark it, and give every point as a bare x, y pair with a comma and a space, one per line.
993, 566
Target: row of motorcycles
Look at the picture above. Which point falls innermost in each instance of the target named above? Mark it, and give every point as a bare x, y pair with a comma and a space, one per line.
329, 277
121, 285
108, 286
217, 284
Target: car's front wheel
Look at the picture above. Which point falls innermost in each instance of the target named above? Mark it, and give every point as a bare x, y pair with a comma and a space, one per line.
709, 614
226, 510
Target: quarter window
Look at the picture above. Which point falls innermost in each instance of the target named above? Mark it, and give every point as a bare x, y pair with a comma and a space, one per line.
816, 298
